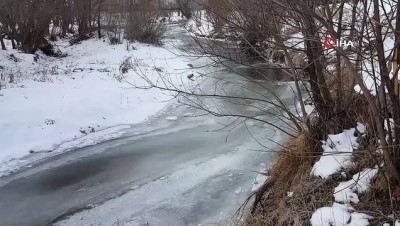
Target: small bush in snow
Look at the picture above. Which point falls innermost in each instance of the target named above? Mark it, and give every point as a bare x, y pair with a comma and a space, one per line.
87, 130
141, 24
113, 40
126, 65
50, 122
79, 38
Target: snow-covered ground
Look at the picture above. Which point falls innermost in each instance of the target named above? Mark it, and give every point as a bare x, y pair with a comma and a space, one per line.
53, 102
200, 26
175, 170
337, 156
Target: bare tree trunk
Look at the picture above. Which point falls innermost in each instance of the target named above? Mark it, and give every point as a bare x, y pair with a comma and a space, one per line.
319, 89
396, 67
12, 38
339, 88
184, 8
315, 90
384, 73
389, 164
99, 18
83, 16
65, 18
3, 46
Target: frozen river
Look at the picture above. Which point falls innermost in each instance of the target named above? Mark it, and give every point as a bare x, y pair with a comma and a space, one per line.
181, 167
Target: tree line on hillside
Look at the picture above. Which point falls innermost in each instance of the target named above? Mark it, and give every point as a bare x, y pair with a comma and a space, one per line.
26, 23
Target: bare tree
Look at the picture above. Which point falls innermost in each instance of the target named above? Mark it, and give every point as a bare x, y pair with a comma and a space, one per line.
3, 46
142, 24
269, 28
185, 8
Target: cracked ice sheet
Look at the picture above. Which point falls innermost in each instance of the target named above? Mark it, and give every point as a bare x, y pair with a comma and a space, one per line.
169, 193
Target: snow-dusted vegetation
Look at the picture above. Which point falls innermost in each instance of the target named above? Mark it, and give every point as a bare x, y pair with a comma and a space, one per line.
321, 74
346, 150
53, 101
89, 92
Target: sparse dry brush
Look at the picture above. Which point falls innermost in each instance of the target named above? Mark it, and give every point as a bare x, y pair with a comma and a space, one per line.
330, 77
290, 173
381, 201
263, 30
291, 194
29, 25
142, 24
292, 28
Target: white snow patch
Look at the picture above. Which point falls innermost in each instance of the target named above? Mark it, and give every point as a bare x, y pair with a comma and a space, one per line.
361, 128
330, 216
189, 114
55, 101
338, 215
371, 69
345, 192
337, 154
259, 181
261, 178
295, 41
172, 118
200, 24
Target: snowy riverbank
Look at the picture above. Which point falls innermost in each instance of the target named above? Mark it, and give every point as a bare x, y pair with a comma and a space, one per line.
52, 102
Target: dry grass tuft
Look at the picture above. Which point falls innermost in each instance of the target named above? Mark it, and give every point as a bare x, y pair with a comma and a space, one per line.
381, 201
357, 108
291, 195
295, 162
291, 173
352, 109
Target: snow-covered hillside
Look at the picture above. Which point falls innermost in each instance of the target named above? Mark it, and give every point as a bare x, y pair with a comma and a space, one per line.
55, 103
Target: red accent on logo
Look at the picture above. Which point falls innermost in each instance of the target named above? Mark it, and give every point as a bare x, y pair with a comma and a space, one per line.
329, 43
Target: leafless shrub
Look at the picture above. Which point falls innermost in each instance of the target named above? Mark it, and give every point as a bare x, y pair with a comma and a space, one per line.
114, 24
291, 173
113, 40
381, 201
185, 8
126, 65
77, 39
10, 76
142, 24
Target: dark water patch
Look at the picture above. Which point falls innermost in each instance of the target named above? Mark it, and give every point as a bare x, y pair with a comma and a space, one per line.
267, 72
70, 174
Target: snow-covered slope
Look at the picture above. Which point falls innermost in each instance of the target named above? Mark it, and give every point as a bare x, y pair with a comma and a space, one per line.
58, 100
